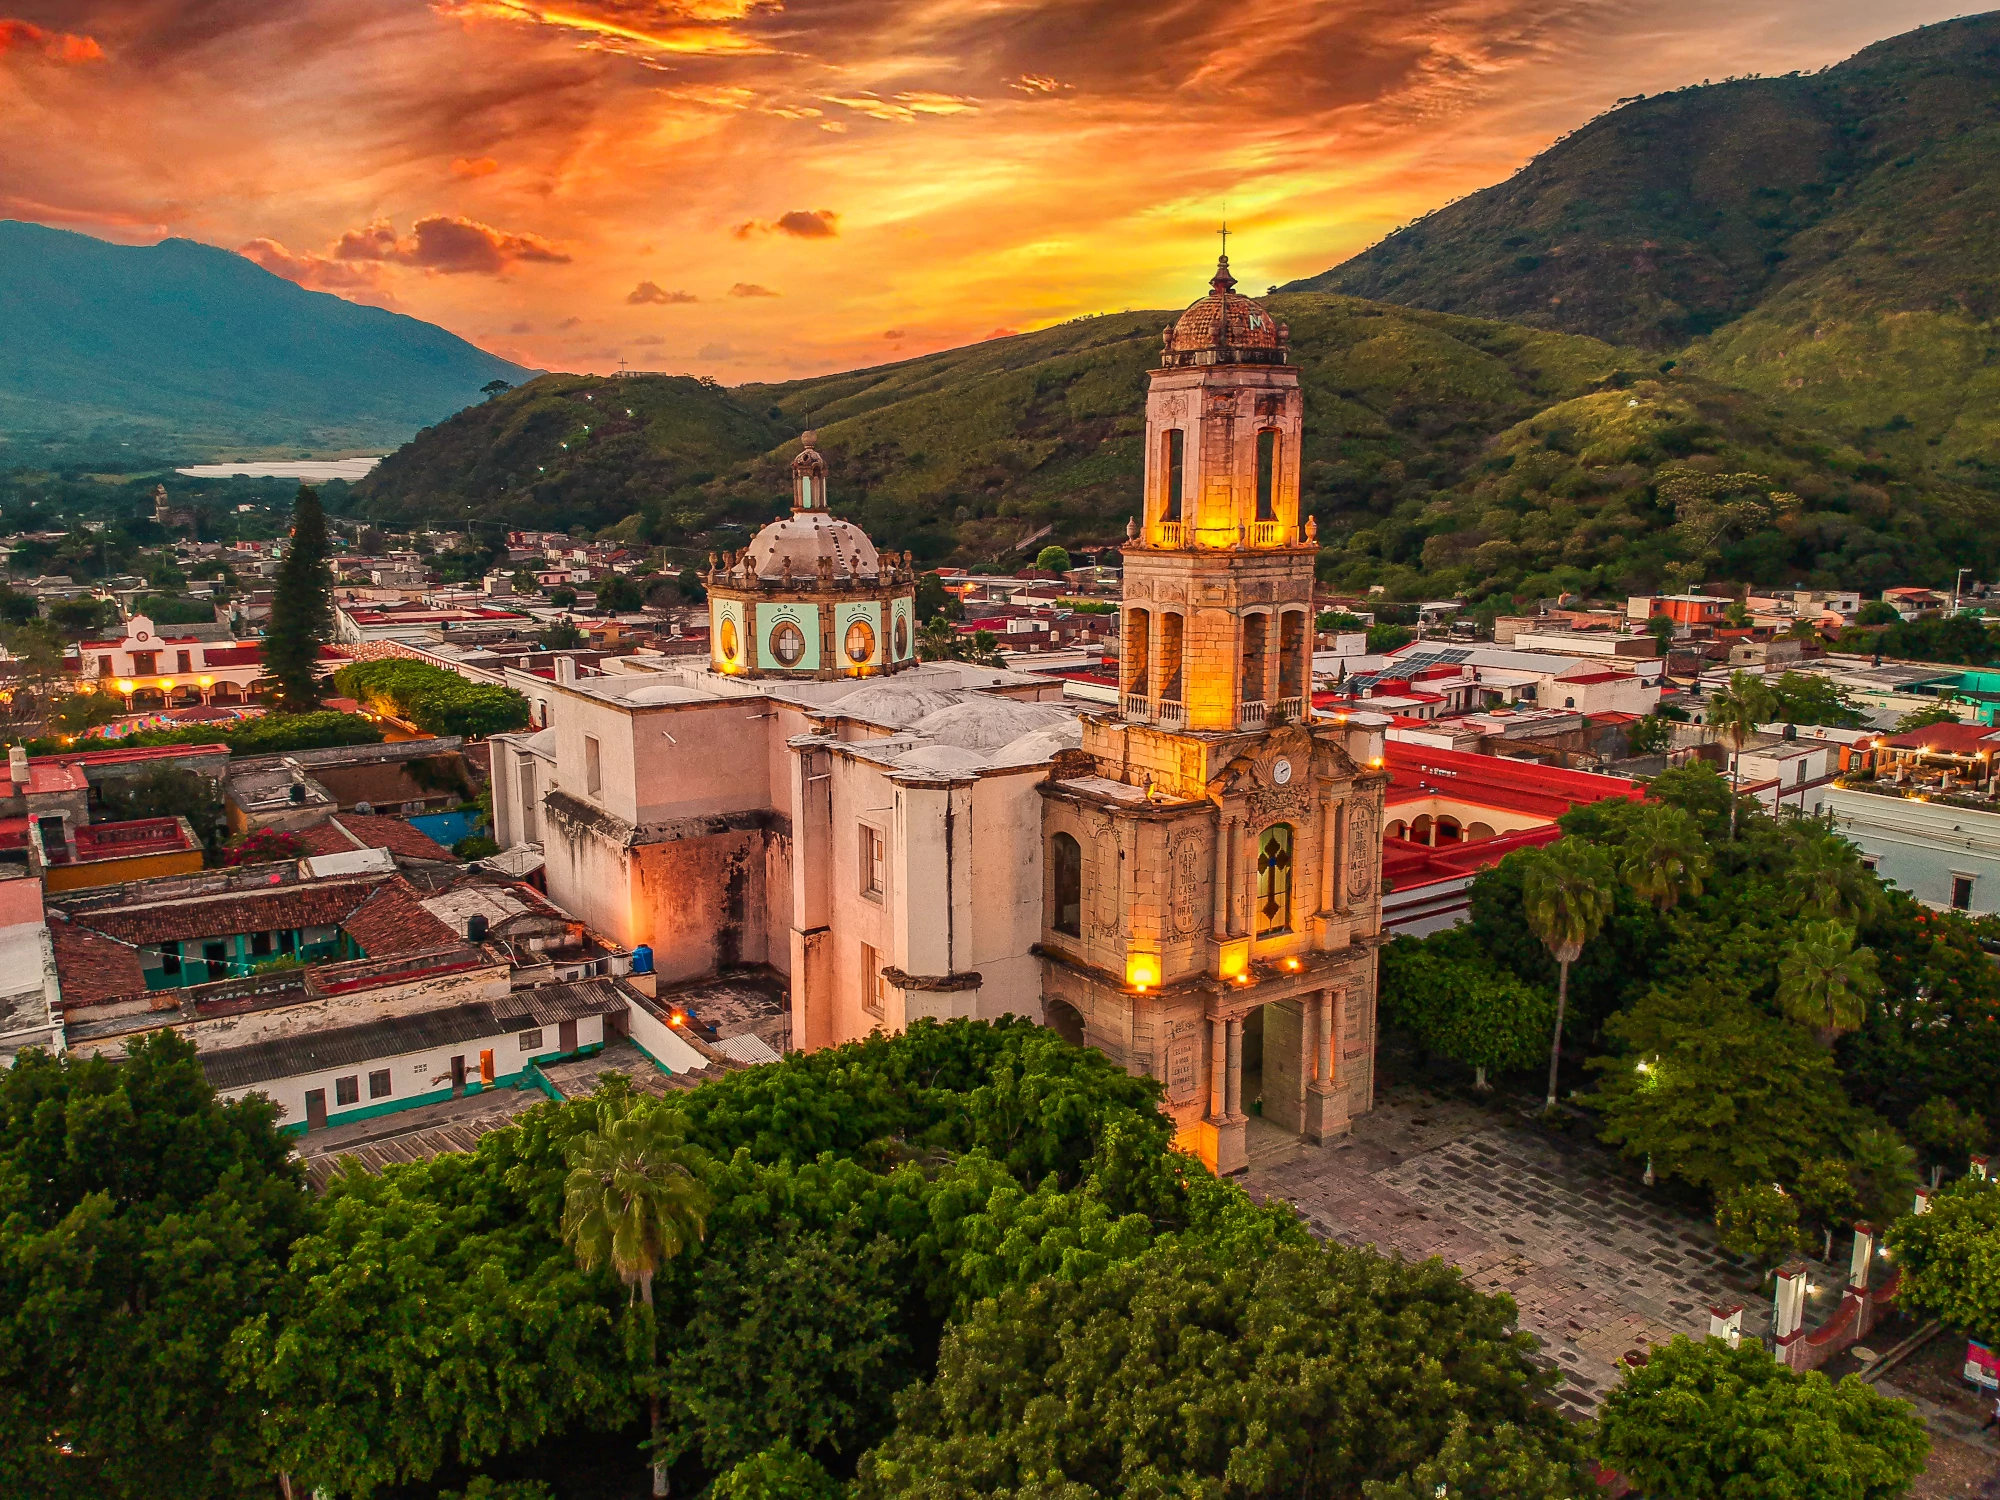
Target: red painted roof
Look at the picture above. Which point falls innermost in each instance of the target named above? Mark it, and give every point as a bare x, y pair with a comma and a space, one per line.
1593, 677
351, 831
136, 753
1406, 864
1489, 780
233, 656
128, 840
1949, 739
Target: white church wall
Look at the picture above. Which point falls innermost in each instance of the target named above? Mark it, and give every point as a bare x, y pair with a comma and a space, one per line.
1007, 876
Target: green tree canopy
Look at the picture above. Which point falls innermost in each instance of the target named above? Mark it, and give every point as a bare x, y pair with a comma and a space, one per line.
432, 698
1182, 1373
1566, 895
1707, 1422
1809, 698
1463, 1006
1950, 1258
141, 1221
1052, 560
1716, 1092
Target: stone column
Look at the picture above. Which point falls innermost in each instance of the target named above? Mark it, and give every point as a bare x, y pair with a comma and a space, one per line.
1218, 1071
1232, 1103
1225, 834
1863, 1259
1341, 825
1156, 642
1274, 651
1328, 841
1324, 1070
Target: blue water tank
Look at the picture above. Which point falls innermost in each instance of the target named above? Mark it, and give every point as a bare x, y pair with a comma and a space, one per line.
642, 960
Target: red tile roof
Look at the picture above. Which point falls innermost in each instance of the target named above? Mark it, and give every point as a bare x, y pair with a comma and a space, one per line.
316, 905
1417, 771
350, 831
1584, 678
393, 922
92, 968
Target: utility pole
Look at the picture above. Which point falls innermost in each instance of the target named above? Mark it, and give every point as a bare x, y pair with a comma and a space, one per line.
1957, 580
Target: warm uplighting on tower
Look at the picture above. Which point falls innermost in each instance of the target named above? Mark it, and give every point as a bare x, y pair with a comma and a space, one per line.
1142, 970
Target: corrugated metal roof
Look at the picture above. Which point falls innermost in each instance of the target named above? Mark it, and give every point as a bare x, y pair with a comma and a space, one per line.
345, 1046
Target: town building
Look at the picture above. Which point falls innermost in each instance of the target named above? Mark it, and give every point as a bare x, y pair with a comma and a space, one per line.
1185, 877
151, 666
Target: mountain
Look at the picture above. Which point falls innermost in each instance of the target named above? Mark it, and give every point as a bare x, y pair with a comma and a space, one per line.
183, 350
1443, 454
1824, 239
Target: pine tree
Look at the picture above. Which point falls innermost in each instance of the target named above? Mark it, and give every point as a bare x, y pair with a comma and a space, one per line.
301, 609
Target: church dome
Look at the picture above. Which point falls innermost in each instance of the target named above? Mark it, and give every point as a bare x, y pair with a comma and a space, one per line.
803, 538
1224, 328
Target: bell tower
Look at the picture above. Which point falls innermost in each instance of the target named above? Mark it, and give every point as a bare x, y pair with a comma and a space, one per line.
1213, 850
1217, 632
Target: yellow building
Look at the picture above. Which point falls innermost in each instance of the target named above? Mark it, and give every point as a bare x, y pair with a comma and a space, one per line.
1211, 853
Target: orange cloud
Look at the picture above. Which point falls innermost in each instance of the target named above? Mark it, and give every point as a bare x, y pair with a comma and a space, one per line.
55, 46
689, 30
803, 224
750, 289
319, 273
1040, 86
448, 244
647, 291
893, 333
904, 108
484, 166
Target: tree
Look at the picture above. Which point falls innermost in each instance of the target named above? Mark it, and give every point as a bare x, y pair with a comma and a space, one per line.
1650, 735
1824, 981
1735, 714
934, 599
937, 641
145, 1220
494, 388
1809, 698
1715, 1091
562, 635
1941, 712
1883, 1170
1382, 638
1703, 1421
563, 598
1665, 856
1462, 1005
1737, 613
1261, 1377
693, 591
1948, 1259
780, 1472
1662, 629
1949, 1135
1826, 1196
1878, 612
617, 594
1758, 1221
80, 619
631, 1201
301, 609
1052, 560
1827, 879
1565, 896
171, 793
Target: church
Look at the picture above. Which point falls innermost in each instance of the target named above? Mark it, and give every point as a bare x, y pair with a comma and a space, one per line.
1188, 882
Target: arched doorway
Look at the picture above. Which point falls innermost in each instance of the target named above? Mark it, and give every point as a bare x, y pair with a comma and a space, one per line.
1064, 1019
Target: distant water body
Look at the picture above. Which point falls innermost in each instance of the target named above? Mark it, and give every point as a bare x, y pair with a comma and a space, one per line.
307, 469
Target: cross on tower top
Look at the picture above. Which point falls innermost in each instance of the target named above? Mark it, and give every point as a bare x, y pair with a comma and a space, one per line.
1224, 232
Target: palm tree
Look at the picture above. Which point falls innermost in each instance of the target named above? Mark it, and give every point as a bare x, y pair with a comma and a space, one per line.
1566, 894
1735, 713
1824, 981
1666, 856
1829, 880
631, 1200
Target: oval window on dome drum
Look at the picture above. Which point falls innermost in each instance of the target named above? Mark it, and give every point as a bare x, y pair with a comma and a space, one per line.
788, 643
902, 637
726, 640
860, 643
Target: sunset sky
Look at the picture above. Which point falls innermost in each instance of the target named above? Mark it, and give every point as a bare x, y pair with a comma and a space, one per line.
760, 190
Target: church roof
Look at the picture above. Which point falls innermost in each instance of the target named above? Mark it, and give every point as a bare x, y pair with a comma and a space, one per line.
1225, 328
803, 538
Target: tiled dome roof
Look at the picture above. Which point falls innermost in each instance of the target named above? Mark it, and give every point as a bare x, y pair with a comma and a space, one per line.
1224, 328
803, 538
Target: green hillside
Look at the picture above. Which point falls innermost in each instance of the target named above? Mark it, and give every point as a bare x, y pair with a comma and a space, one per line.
963, 453
1443, 454
182, 351
1826, 239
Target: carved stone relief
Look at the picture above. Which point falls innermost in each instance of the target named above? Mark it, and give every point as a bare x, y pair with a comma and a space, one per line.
1108, 908
1365, 856
1185, 857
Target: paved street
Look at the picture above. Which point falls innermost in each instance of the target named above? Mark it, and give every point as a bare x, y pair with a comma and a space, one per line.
1596, 1264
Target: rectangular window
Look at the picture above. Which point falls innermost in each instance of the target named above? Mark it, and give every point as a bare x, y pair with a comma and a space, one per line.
347, 1090
378, 1084
145, 663
170, 958
873, 990
1961, 893
1274, 880
1172, 446
1267, 475
531, 1041
593, 765
182, 662
260, 944
874, 862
